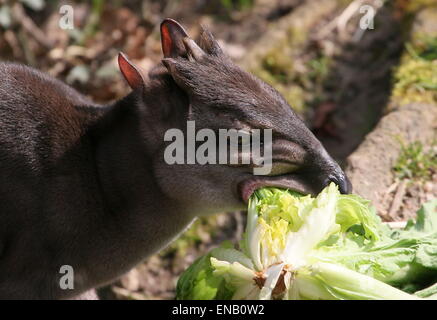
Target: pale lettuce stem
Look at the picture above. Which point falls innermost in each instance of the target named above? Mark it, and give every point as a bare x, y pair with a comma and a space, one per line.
307, 287
357, 284
253, 243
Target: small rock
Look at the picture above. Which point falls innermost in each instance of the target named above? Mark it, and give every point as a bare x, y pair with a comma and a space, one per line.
428, 186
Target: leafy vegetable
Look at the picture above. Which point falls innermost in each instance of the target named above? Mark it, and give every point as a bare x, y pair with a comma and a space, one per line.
332, 246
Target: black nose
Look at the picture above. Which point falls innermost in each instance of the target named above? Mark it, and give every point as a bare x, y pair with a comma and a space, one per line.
343, 183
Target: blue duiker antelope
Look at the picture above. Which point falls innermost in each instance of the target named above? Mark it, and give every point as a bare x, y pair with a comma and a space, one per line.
86, 185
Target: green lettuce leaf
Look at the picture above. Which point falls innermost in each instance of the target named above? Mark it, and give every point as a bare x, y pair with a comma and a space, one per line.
199, 282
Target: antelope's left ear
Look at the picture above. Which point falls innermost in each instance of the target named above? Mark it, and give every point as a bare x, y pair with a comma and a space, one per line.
131, 73
172, 36
176, 43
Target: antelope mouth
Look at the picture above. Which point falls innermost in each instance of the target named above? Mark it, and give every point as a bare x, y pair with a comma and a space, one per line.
290, 181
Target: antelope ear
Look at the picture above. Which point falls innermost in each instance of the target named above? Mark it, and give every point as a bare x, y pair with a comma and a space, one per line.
130, 72
208, 43
172, 35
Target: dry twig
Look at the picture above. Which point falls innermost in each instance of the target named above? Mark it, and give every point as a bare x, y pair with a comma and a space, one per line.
397, 200
30, 27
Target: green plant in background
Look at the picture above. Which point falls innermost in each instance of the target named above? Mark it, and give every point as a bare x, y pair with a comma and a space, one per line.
277, 69
415, 162
319, 68
92, 24
201, 231
416, 5
300, 85
286, 61
238, 5
426, 47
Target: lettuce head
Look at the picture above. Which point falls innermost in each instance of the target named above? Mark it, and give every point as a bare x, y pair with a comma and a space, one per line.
332, 246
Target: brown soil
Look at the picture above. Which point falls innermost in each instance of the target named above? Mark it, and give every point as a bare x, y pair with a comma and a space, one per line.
370, 167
